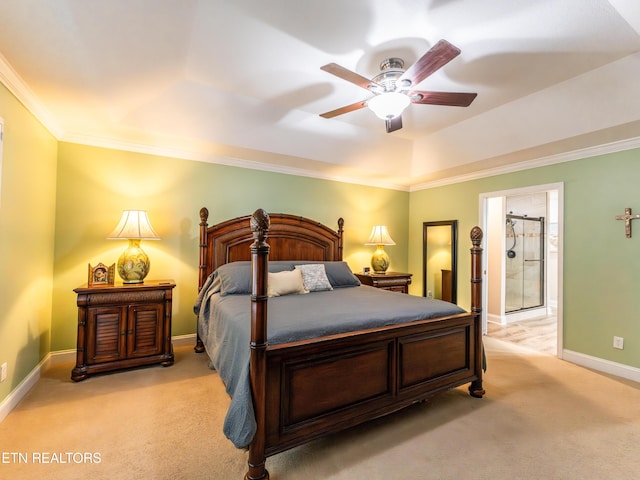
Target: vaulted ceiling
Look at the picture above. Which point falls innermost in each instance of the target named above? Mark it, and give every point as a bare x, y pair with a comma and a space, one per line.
239, 82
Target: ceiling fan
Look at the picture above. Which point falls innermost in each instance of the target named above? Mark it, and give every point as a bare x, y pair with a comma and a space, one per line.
393, 86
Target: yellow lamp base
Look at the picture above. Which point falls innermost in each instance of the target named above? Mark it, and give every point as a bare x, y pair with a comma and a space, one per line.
133, 264
380, 260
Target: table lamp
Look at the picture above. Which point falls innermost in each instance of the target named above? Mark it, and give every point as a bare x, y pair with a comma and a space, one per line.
133, 265
380, 237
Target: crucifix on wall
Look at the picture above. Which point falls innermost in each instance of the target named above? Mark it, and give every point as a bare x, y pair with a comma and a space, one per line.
627, 217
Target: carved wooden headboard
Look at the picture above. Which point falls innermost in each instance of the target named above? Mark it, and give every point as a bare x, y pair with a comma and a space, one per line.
291, 237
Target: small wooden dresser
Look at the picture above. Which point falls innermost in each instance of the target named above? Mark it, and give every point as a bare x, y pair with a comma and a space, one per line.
122, 326
394, 281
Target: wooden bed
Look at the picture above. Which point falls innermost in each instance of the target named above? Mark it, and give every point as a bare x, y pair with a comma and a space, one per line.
298, 388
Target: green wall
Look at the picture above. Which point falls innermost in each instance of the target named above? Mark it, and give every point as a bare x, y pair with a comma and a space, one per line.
27, 221
601, 266
96, 184
60, 200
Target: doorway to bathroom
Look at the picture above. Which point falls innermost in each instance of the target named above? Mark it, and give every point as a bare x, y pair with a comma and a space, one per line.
523, 275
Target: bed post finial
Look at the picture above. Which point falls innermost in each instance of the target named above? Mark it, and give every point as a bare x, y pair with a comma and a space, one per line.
204, 215
475, 389
260, 223
476, 236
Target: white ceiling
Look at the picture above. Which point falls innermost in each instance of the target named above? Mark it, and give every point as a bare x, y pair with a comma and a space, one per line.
239, 82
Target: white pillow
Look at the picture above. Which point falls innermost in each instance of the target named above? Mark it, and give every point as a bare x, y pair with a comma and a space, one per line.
285, 283
314, 277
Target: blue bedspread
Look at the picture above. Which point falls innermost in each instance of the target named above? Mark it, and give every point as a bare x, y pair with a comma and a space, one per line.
225, 322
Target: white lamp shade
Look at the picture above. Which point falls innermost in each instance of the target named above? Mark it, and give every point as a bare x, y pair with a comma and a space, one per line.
389, 105
380, 236
134, 224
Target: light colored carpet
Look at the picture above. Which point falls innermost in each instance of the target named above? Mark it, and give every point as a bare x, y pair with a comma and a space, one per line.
542, 418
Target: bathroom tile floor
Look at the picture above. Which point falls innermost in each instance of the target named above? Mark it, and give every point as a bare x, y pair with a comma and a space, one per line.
537, 334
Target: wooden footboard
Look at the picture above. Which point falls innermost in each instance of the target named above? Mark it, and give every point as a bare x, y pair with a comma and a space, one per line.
322, 386
299, 388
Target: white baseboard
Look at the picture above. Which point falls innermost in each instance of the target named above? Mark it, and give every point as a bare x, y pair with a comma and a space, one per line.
61, 356
182, 340
525, 315
66, 356
18, 393
601, 365
56, 358
520, 316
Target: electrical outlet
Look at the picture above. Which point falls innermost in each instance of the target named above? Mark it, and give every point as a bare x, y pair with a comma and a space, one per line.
618, 342
3, 372
429, 294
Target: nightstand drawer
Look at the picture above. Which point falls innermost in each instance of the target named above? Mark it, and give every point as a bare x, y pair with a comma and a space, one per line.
393, 281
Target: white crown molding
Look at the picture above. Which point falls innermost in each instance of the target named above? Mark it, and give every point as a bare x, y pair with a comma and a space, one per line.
115, 144
14, 83
570, 156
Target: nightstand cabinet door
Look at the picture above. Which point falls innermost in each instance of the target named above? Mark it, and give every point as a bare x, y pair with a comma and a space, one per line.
145, 330
106, 334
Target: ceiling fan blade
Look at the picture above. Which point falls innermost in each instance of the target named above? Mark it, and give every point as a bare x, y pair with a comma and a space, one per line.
349, 76
345, 109
444, 98
394, 124
438, 56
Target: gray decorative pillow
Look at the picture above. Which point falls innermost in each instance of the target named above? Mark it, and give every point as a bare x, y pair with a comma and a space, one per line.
235, 277
314, 277
338, 273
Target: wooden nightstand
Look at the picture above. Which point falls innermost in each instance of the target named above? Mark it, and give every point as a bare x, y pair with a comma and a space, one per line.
394, 281
123, 326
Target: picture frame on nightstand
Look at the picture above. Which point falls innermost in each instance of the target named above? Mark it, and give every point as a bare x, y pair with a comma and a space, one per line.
101, 275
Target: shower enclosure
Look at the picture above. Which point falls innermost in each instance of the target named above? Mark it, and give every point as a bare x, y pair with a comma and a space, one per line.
525, 263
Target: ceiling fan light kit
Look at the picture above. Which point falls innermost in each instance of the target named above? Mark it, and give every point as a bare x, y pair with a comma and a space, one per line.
392, 86
388, 105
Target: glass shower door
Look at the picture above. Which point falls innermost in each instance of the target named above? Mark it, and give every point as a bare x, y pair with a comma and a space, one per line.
524, 280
